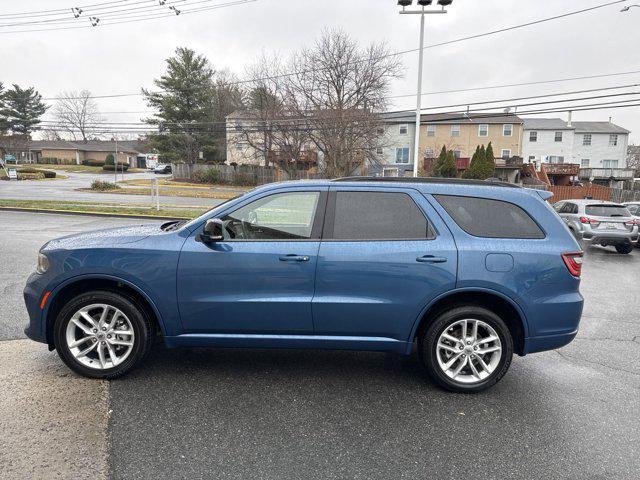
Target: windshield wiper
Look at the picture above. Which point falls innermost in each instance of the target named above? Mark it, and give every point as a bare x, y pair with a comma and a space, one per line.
171, 226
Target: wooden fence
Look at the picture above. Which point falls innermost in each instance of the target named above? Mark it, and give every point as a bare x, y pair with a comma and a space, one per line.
597, 192
241, 174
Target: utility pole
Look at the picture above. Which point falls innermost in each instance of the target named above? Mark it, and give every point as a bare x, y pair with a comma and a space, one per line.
115, 162
422, 12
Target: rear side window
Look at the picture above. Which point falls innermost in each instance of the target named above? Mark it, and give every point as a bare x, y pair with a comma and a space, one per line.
482, 217
377, 216
606, 210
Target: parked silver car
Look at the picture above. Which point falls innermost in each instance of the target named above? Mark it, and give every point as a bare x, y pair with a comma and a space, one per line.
634, 209
596, 222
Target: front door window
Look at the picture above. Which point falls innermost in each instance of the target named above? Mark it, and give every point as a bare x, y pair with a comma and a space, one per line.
284, 216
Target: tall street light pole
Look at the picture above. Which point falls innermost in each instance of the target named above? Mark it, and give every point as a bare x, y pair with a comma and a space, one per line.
422, 12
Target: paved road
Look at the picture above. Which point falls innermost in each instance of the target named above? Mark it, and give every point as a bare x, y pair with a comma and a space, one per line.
573, 413
68, 190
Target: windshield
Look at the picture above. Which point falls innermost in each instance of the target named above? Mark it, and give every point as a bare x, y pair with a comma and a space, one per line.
607, 210
214, 209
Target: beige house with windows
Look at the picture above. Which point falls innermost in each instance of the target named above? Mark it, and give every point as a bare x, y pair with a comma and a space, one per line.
462, 133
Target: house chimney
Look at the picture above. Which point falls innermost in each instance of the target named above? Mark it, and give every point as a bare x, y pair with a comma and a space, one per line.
569, 119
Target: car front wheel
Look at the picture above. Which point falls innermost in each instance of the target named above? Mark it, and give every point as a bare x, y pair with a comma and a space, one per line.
466, 349
101, 334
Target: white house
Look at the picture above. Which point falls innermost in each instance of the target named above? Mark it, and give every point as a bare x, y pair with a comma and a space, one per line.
599, 148
600, 145
547, 140
396, 146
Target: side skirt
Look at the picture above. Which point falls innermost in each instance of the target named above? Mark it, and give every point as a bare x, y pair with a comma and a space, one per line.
328, 342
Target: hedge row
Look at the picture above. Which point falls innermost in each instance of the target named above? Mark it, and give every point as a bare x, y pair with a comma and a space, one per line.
45, 173
30, 176
93, 163
121, 166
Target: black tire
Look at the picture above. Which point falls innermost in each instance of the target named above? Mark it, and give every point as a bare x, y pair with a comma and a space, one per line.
427, 347
143, 333
624, 248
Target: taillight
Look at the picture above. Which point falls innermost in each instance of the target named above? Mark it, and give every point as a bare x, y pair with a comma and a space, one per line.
588, 220
632, 222
573, 261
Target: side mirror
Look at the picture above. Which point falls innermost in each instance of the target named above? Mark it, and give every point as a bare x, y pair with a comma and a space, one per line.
213, 231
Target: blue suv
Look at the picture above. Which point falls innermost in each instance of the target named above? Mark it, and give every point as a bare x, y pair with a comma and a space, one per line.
468, 271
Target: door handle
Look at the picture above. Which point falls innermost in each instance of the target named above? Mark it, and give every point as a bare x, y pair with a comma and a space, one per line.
431, 259
292, 257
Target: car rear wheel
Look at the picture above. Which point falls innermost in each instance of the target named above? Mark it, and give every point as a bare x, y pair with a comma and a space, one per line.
626, 248
466, 349
101, 334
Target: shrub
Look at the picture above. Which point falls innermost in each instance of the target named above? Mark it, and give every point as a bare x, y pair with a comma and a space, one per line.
93, 163
30, 171
210, 175
30, 176
245, 179
109, 160
103, 186
111, 168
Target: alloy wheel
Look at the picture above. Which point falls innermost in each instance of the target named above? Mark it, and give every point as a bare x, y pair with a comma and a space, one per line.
100, 336
468, 351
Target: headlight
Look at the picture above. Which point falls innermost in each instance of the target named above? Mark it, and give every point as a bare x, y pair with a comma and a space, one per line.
43, 263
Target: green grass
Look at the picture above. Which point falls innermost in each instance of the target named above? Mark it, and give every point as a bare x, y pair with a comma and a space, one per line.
85, 207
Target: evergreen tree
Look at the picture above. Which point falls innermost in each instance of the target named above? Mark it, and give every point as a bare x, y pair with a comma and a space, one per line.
449, 168
110, 159
4, 123
440, 162
22, 109
183, 103
473, 164
489, 164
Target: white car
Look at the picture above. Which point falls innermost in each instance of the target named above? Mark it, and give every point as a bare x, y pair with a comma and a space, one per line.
162, 168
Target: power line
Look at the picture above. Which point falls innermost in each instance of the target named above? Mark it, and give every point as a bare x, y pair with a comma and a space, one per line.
509, 85
510, 105
528, 24
51, 12
145, 12
241, 82
575, 92
304, 125
149, 17
70, 15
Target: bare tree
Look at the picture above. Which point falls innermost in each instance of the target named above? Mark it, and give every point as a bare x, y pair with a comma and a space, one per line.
50, 134
260, 126
633, 158
77, 113
339, 89
13, 144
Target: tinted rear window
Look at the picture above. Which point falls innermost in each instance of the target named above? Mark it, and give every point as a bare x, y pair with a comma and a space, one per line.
377, 216
606, 210
483, 217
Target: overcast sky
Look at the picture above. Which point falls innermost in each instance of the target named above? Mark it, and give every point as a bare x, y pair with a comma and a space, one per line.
122, 58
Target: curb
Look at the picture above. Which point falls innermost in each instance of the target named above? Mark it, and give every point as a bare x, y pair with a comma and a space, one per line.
90, 214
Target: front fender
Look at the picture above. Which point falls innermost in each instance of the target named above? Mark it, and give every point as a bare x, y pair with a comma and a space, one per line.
97, 276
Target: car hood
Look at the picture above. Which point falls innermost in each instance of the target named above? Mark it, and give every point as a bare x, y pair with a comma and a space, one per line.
106, 237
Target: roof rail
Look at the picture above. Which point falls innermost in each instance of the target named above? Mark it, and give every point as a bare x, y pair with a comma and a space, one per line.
452, 181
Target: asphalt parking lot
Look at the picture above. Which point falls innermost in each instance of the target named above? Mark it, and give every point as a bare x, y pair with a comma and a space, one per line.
571, 413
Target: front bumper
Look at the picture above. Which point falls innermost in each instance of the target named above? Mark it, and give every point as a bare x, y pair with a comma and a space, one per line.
33, 292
